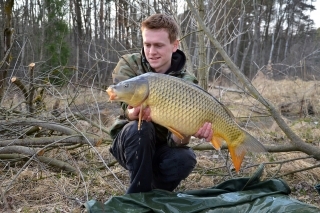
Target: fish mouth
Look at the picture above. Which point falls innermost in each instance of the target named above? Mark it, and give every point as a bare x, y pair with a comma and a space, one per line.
111, 93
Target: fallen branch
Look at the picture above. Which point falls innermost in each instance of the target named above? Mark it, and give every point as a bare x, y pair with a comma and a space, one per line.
92, 123
269, 148
300, 170
12, 156
283, 161
50, 161
4, 200
44, 141
228, 89
287, 161
58, 164
31, 131
19, 149
44, 124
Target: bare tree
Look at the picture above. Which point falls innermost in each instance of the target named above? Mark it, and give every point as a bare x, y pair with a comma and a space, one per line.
256, 40
78, 35
202, 69
8, 41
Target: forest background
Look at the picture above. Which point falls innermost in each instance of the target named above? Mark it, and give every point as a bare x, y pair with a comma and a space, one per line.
56, 60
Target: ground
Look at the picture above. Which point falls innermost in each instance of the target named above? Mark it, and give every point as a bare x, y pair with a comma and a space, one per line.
33, 186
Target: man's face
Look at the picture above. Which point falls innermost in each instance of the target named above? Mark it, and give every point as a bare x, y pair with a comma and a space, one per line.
158, 49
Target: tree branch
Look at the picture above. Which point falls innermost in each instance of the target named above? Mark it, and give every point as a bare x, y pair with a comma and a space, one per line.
31, 88
16, 81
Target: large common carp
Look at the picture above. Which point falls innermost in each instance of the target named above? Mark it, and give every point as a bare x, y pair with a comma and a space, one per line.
183, 107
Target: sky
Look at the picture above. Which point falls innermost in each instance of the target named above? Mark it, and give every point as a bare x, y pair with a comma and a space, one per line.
315, 15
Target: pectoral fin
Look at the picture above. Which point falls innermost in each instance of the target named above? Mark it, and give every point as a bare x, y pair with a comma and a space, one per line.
140, 117
176, 133
142, 106
216, 142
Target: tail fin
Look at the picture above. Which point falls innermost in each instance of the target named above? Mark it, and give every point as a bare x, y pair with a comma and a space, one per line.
249, 144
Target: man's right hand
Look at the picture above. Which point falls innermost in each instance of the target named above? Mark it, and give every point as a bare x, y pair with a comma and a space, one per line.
133, 113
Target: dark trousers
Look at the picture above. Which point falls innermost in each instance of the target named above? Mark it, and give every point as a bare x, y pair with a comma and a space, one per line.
151, 164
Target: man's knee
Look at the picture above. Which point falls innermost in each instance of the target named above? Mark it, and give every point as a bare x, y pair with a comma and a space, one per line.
175, 163
186, 161
131, 141
172, 166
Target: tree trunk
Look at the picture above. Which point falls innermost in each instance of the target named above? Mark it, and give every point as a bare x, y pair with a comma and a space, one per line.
78, 36
256, 38
7, 38
239, 38
202, 71
245, 53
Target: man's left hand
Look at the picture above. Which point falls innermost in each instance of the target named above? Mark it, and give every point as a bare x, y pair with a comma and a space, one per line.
205, 132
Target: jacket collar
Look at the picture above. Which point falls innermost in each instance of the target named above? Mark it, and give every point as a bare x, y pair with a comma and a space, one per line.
178, 63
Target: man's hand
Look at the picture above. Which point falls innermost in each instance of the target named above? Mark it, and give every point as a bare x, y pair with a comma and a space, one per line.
205, 132
133, 113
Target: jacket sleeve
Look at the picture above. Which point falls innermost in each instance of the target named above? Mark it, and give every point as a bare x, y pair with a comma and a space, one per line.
127, 67
189, 77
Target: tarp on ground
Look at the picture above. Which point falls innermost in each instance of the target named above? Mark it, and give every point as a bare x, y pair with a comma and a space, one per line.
235, 195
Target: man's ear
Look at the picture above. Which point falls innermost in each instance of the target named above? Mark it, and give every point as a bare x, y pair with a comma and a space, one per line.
175, 45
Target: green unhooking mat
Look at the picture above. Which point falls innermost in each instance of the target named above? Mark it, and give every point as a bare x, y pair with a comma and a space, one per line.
235, 195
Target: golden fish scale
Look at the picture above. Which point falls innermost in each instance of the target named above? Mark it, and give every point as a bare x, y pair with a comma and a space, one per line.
186, 109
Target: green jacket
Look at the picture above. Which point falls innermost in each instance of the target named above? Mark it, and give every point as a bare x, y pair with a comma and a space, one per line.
131, 65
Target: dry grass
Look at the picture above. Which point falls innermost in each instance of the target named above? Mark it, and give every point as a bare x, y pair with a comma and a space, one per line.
36, 187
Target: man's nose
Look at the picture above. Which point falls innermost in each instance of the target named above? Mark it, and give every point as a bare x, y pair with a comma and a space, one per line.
152, 49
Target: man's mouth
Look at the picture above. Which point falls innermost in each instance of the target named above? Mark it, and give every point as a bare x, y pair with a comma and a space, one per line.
154, 58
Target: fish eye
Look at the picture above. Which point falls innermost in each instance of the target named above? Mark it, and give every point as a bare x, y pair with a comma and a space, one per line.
126, 85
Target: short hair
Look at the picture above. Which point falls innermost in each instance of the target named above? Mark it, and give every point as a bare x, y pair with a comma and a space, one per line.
162, 21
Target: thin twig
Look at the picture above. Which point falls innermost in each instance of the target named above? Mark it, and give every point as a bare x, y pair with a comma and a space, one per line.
300, 170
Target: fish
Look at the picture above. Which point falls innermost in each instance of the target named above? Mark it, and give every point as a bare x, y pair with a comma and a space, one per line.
183, 107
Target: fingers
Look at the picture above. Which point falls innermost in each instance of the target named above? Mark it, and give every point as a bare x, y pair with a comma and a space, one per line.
133, 113
146, 114
136, 111
205, 132
209, 138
